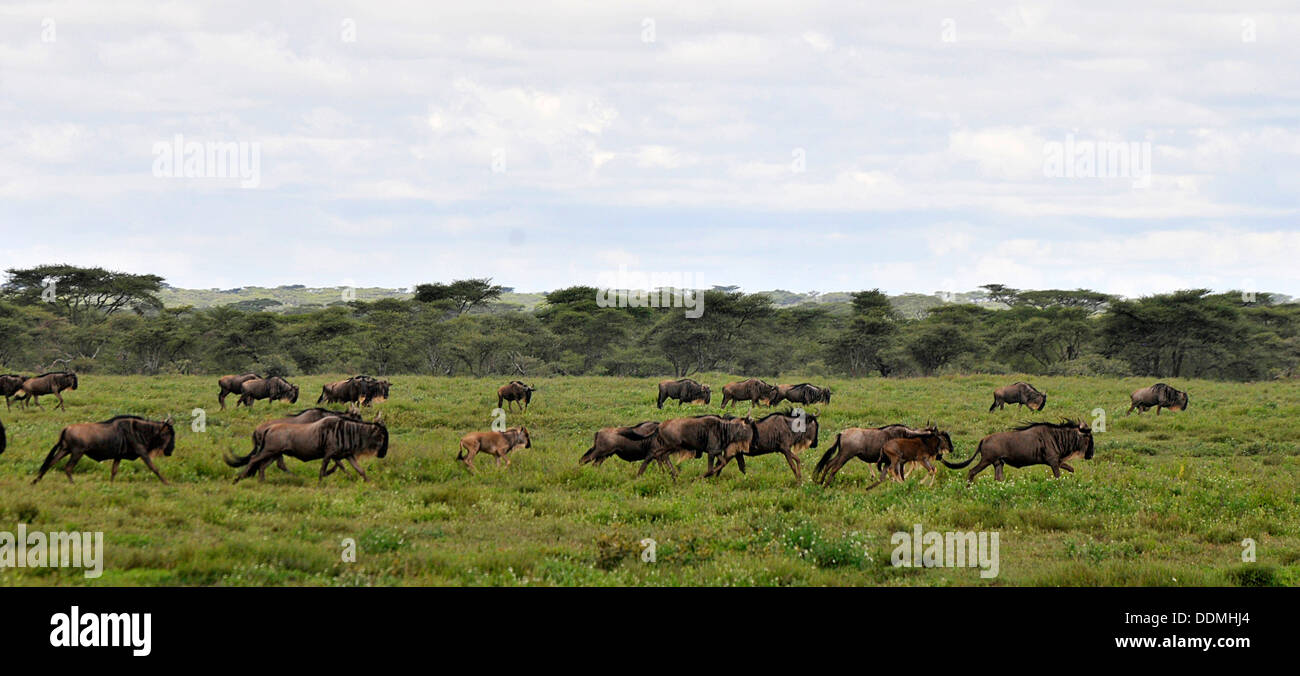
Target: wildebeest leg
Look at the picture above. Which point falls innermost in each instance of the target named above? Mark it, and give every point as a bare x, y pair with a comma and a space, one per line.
72, 462
149, 463
933, 470
470, 452
1158, 409
353, 461
997, 470
55, 457
221, 399
648, 460
1067, 467
279, 462
1056, 471
835, 466
793, 460
113, 473
979, 467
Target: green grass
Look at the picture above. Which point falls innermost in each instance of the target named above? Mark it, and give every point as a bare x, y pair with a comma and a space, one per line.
1166, 500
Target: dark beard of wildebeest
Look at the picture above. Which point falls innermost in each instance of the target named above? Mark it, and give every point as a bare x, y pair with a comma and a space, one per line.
304, 417
1160, 396
1020, 393
628, 443
753, 390
357, 389
864, 443
48, 383
125, 437
1043, 443
722, 437
513, 392
267, 388
10, 384
328, 440
778, 433
685, 391
921, 449
803, 393
497, 444
233, 385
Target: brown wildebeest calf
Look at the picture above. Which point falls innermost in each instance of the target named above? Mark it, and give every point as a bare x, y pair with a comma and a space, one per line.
1043, 443
628, 443
864, 443
498, 444
753, 390
233, 385
515, 391
1019, 393
329, 440
10, 385
49, 383
923, 449
125, 437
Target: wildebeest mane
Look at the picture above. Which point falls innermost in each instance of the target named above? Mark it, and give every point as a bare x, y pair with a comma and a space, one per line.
1064, 424
347, 436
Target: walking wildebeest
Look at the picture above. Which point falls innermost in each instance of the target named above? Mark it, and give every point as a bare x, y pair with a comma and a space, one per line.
303, 417
753, 390
48, 383
685, 391
784, 432
125, 437
803, 393
329, 440
1019, 393
498, 444
1160, 396
864, 443
10, 385
1041, 443
628, 443
233, 385
923, 449
357, 389
513, 392
714, 435
271, 388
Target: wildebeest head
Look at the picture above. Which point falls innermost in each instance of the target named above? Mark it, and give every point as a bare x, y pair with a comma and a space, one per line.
156, 437
518, 433
1037, 400
708, 393
71, 378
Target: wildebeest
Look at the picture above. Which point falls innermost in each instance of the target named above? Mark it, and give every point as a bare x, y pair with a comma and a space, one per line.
513, 392
125, 437
357, 389
1041, 443
753, 390
628, 443
329, 440
923, 449
864, 443
271, 388
498, 444
48, 383
3, 440
233, 385
10, 385
803, 393
717, 436
685, 391
1019, 393
786, 432
1160, 396
303, 417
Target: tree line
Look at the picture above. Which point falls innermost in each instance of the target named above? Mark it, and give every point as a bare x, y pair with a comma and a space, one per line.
96, 321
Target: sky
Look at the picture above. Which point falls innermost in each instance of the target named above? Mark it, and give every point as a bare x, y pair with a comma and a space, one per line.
1131, 148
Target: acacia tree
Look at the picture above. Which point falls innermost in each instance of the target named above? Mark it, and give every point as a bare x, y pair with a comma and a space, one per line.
85, 295
464, 294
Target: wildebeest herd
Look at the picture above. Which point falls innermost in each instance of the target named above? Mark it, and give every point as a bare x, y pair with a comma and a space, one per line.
338, 437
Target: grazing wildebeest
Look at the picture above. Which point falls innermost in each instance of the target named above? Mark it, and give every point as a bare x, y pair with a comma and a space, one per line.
753, 390
1160, 396
1019, 393
233, 385
865, 443
48, 383
271, 388
803, 393
923, 449
685, 391
513, 392
786, 432
303, 417
1040, 443
10, 385
498, 444
357, 389
717, 436
125, 437
329, 440
628, 443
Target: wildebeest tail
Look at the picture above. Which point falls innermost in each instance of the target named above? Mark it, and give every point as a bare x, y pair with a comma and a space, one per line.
49, 459
826, 457
959, 465
241, 460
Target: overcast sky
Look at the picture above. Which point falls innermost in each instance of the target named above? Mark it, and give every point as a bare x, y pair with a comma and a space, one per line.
796, 145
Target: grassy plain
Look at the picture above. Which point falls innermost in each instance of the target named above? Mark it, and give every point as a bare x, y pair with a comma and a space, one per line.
1167, 500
